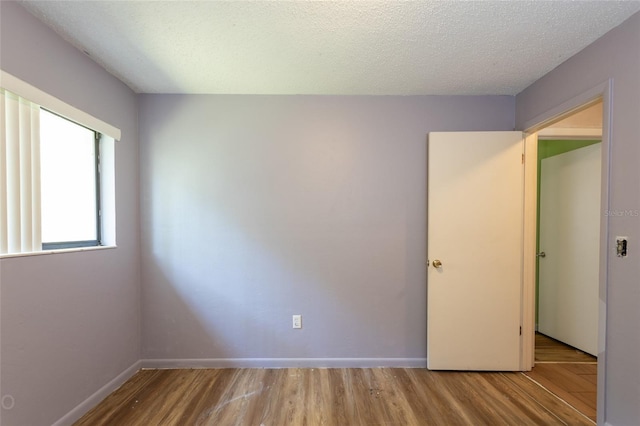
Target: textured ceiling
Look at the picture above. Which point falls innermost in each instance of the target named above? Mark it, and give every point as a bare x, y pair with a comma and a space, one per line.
345, 47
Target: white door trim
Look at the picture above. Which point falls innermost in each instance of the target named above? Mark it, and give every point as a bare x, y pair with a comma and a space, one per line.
602, 91
528, 307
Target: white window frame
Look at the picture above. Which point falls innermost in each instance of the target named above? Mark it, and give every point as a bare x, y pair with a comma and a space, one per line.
109, 135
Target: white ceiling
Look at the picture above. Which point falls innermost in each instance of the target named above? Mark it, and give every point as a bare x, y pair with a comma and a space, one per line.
343, 47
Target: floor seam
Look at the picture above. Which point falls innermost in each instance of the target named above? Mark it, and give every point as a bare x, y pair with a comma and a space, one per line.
557, 397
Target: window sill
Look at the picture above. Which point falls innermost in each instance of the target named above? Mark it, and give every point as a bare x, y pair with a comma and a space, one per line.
57, 251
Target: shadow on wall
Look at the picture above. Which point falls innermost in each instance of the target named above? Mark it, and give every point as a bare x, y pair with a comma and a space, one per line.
248, 222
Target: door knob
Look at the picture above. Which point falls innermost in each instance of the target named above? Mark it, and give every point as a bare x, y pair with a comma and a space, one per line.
541, 254
437, 263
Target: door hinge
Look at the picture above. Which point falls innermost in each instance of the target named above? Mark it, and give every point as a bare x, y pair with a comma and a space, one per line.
522, 158
521, 330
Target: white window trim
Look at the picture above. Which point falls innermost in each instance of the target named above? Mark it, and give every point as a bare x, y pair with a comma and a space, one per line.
110, 135
47, 101
56, 251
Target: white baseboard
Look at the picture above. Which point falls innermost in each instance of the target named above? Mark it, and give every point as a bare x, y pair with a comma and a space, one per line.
285, 363
99, 395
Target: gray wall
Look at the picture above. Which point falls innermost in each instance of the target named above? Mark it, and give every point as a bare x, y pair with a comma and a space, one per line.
70, 322
255, 208
617, 56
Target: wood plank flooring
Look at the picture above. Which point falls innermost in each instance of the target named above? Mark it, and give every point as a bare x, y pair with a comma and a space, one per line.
334, 396
551, 350
574, 383
566, 372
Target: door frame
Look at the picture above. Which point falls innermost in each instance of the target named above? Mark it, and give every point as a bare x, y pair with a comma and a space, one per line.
602, 92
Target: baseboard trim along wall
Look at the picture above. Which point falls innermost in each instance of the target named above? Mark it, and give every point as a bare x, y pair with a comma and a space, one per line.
285, 363
82, 408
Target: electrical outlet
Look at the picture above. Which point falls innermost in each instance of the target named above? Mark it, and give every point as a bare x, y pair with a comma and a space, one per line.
621, 246
297, 321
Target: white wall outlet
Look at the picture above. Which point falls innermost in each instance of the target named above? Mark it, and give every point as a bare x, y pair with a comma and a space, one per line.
297, 321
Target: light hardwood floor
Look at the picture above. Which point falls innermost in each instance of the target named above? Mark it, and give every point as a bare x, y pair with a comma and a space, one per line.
344, 397
568, 373
551, 350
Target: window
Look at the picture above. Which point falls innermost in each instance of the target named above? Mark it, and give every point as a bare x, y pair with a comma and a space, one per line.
57, 173
70, 183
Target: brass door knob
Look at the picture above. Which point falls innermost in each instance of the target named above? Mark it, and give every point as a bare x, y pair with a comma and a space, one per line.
437, 263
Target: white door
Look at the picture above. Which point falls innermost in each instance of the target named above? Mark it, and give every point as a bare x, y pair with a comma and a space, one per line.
570, 239
475, 229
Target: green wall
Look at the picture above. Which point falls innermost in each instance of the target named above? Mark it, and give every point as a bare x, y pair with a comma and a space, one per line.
546, 149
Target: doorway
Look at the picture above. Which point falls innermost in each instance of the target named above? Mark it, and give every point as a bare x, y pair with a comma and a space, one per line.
526, 233
567, 251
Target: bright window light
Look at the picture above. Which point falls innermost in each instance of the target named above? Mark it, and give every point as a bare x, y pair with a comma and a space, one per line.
68, 178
